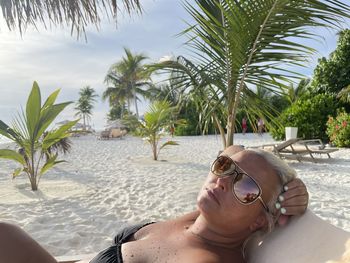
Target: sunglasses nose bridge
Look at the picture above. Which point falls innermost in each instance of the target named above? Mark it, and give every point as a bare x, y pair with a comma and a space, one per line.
224, 182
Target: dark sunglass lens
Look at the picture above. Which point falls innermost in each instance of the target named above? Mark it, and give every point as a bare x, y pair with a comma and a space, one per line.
223, 165
245, 188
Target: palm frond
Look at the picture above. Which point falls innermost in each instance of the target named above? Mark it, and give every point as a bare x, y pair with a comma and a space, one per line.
77, 14
344, 94
256, 43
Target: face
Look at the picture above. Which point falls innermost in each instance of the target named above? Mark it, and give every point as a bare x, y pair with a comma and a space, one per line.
217, 202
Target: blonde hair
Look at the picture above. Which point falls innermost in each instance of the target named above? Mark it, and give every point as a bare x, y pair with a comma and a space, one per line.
285, 174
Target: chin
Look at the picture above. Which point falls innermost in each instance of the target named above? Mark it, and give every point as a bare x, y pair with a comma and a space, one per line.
204, 206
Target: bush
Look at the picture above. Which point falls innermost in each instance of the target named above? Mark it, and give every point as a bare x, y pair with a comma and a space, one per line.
338, 129
310, 115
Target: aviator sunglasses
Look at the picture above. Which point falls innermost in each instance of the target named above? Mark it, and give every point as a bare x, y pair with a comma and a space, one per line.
245, 189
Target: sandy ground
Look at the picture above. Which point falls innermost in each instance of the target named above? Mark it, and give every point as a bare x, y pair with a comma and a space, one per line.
106, 185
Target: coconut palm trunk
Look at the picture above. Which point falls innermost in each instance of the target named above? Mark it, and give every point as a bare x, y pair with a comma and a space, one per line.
135, 101
154, 150
84, 122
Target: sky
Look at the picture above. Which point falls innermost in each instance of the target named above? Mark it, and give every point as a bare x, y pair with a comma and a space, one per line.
55, 59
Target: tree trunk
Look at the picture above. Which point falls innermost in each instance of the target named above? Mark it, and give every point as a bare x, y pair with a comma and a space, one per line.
34, 186
31, 169
33, 183
136, 107
122, 111
230, 130
221, 130
84, 123
154, 149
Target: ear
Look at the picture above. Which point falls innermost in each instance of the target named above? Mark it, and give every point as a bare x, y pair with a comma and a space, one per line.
259, 223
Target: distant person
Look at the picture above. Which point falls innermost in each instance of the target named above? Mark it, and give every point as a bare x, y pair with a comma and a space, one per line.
261, 126
172, 130
244, 125
237, 199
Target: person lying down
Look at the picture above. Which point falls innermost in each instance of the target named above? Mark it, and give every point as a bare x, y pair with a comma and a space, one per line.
246, 191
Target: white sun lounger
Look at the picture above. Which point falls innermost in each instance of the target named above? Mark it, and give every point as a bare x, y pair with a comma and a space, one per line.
306, 239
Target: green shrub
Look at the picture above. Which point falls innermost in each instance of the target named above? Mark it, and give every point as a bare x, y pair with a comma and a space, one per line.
338, 129
310, 115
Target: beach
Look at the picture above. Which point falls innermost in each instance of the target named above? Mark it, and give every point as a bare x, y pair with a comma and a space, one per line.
108, 184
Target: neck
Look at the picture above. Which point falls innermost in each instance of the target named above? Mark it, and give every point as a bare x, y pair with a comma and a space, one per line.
209, 235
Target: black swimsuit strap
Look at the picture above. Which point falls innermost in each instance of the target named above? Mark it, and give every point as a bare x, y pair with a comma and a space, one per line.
127, 232
113, 254
124, 235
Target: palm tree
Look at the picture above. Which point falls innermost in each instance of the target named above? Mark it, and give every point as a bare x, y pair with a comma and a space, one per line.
344, 94
128, 77
84, 105
38, 146
294, 93
117, 97
244, 44
157, 118
77, 14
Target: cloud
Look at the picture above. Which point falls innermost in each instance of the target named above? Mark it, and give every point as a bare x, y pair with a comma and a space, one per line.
57, 60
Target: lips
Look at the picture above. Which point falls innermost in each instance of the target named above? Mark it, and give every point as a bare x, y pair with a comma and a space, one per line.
212, 195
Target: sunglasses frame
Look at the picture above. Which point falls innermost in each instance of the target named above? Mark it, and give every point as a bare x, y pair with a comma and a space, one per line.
234, 173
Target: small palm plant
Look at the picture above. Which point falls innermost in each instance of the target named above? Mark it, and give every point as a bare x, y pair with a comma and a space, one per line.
156, 120
38, 146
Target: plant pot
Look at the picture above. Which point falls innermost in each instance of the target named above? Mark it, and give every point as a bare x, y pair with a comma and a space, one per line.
291, 132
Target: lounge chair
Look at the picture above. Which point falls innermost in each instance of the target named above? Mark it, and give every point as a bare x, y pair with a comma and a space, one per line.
306, 239
316, 146
298, 149
116, 133
283, 149
104, 135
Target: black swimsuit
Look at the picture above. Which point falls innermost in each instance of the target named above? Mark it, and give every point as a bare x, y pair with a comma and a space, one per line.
113, 254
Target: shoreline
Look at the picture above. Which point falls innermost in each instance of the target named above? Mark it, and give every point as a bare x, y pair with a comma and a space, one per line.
108, 184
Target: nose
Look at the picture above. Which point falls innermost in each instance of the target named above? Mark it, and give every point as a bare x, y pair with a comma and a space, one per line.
224, 183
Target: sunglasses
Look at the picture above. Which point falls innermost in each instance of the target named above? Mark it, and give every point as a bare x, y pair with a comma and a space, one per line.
245, 189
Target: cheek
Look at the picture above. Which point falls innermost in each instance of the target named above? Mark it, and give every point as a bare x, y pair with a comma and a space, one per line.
238, 215
208, 181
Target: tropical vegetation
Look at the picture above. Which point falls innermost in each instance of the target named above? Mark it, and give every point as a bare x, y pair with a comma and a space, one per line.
186, 105
338, 129
333, 74
310, 115
85, 104
76, 14
126, 80
322, 96
38, 144
157, 119
235, 44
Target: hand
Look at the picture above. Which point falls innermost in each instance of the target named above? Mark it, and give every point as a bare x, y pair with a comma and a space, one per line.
293, 201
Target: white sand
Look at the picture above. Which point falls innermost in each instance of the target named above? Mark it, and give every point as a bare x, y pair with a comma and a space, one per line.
108, 184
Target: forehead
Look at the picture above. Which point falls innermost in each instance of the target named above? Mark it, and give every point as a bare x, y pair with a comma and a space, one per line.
257, 167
